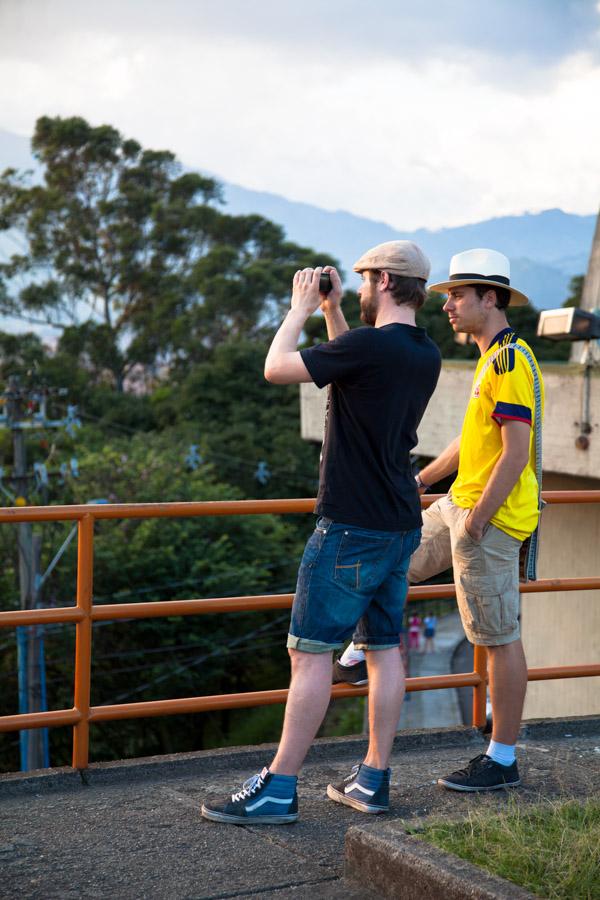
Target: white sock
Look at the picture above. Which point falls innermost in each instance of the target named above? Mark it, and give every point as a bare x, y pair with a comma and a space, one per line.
351, 656
504, 754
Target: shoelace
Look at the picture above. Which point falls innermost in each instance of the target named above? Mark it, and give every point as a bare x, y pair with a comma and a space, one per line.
249, 787
352, 774
479, 762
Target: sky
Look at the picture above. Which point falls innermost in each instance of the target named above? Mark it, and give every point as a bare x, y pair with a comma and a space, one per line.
418, 115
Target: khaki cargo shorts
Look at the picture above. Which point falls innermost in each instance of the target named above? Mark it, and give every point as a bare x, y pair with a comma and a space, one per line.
486, 572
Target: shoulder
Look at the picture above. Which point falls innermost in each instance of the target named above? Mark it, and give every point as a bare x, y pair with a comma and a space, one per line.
503, 355
362, 335
345, 341
513, 363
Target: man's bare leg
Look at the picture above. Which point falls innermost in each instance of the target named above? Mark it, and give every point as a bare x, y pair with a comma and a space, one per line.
308, 699
508, 685
386, 693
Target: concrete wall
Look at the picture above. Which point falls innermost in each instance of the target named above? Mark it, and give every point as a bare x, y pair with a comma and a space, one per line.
563, 628
558, 628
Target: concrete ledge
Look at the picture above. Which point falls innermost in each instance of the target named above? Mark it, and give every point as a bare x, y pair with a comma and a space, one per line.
397, 865
221, 760
574, 726
225, 759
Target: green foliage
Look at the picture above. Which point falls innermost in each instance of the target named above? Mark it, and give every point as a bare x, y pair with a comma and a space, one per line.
129, 255
551, 850
146, 559
575, 291
239, 419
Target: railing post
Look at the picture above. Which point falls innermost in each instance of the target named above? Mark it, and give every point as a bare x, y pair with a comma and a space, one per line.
480, 690
83, 640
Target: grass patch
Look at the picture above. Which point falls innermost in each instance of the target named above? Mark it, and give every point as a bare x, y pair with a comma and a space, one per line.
552, 850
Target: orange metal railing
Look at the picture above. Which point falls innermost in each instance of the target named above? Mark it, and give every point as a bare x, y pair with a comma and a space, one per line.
85, 613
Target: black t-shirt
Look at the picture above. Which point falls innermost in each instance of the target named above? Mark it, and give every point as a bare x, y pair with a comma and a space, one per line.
380, 381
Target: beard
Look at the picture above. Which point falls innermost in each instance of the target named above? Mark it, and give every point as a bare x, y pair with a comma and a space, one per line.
369, 307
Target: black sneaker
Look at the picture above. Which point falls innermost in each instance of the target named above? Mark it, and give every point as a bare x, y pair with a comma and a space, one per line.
482, 774
352, 793
356, 674
255, 803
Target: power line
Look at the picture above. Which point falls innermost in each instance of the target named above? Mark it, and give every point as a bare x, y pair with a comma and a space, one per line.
216, 652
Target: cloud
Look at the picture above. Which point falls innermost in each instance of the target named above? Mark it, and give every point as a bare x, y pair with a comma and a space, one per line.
378, 109
532, 32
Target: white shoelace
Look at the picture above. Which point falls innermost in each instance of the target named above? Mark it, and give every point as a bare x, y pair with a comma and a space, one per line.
352, 774
253, 784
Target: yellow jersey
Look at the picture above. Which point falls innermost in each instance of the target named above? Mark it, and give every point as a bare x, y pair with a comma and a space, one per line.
504, 393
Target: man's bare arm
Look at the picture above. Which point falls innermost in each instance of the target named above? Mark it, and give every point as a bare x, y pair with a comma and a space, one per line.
331, 306
506, 473
445, 464
284, 364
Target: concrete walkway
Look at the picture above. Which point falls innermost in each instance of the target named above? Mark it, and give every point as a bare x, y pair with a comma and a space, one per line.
434, 709
133, 829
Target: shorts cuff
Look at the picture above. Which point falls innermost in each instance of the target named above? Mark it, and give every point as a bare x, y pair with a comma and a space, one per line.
364, 645
308, 646
490, 640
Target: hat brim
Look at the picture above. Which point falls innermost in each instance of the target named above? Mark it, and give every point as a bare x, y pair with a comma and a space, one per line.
516, 297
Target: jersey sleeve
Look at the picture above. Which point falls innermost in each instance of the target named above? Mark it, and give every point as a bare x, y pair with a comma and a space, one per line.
513, 392
337, 360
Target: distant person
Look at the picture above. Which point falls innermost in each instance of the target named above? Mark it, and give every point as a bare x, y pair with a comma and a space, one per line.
492, 506
429, 626
414, 632
352, 577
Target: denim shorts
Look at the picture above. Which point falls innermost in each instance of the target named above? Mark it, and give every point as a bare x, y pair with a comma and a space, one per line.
351, 581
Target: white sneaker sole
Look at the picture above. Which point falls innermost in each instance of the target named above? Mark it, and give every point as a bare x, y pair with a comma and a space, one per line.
216, 816
336, 795
473, 790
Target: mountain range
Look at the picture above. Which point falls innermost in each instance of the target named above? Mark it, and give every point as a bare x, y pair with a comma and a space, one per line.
546, 249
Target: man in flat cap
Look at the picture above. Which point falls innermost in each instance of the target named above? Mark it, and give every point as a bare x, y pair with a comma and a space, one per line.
352, 577
492, 507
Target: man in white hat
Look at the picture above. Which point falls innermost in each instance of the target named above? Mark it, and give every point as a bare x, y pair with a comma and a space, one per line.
353, 571
493, 505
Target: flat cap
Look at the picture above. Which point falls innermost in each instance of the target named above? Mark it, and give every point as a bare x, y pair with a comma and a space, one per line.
396, 257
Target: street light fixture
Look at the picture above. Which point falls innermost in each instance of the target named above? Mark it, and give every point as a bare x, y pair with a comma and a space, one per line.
574, 324
568, 324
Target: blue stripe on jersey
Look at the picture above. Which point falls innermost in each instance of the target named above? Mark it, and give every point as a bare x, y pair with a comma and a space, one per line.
512, 411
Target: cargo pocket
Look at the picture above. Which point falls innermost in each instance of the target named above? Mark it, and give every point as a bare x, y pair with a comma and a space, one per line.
361, 561
489, 604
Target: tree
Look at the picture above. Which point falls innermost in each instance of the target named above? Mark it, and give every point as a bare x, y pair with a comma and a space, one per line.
575, 291
129, 257
145, 559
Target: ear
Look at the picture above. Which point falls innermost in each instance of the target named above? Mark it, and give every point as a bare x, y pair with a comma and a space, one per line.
490, 298
384, 281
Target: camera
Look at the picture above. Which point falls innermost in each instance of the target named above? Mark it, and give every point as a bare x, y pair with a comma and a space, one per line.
324, 283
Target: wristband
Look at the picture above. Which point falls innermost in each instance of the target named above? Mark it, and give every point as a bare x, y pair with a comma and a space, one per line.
421, 483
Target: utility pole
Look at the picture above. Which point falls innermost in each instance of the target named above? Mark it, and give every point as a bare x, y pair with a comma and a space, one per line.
30, 639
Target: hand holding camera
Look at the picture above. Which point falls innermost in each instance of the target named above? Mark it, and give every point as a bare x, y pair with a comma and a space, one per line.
305, 293
330, 289
314, 287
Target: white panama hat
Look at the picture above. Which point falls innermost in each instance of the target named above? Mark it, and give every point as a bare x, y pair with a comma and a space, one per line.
481, 267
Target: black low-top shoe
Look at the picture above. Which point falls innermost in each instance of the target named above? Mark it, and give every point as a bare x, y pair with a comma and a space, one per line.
482, 774
356, 674
258, 802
